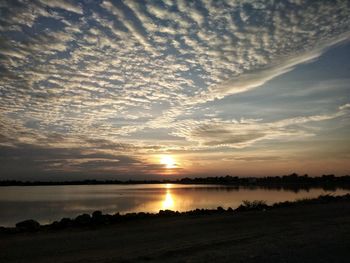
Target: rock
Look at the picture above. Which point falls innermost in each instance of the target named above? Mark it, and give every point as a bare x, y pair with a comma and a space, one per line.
97, 214
100, 219
83, 220
28, 225
65, 222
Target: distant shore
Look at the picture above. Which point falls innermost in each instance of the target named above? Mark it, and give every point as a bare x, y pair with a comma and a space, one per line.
310, 230
293, 182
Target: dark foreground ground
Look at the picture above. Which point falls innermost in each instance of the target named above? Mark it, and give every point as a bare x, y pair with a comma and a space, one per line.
306, 233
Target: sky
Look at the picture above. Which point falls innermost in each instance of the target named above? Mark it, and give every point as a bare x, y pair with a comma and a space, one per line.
168, 89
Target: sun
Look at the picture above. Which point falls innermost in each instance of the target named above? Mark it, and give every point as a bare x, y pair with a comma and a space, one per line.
168, 161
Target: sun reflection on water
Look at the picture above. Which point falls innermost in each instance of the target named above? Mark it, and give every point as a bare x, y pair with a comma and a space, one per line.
168, 202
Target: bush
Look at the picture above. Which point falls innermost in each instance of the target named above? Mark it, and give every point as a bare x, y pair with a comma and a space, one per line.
252, 205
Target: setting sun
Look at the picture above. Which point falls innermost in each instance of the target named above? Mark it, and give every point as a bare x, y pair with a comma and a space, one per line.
168, 161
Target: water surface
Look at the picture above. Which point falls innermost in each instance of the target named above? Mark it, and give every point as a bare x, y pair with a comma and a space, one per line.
49, 203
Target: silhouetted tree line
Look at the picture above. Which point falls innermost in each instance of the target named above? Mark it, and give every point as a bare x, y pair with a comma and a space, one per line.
78, 182
292, 182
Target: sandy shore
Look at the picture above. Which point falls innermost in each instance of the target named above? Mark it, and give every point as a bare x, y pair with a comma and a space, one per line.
307, 233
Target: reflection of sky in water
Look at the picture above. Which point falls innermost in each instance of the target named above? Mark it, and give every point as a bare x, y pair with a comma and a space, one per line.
49, 203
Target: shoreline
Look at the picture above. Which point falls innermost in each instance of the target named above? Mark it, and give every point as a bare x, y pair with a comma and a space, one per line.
98, 219
314, 230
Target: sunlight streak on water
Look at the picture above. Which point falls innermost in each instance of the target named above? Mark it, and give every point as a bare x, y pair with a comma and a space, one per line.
49, 203
168, 202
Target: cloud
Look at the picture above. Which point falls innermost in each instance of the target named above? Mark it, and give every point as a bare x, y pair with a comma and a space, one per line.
63, 4
113, 71
253, 79
127, 22
246, 132
78, 161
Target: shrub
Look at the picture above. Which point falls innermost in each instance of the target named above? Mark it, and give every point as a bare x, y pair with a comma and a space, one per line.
252, 205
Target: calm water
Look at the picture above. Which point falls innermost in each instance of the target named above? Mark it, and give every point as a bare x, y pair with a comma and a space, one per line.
49, 203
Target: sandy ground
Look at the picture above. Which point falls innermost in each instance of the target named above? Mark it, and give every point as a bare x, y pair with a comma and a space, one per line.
309, 233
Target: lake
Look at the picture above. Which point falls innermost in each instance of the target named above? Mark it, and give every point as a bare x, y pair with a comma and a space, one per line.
49, 203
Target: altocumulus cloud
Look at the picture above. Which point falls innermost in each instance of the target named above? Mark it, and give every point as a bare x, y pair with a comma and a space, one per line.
245, 132
77, 71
